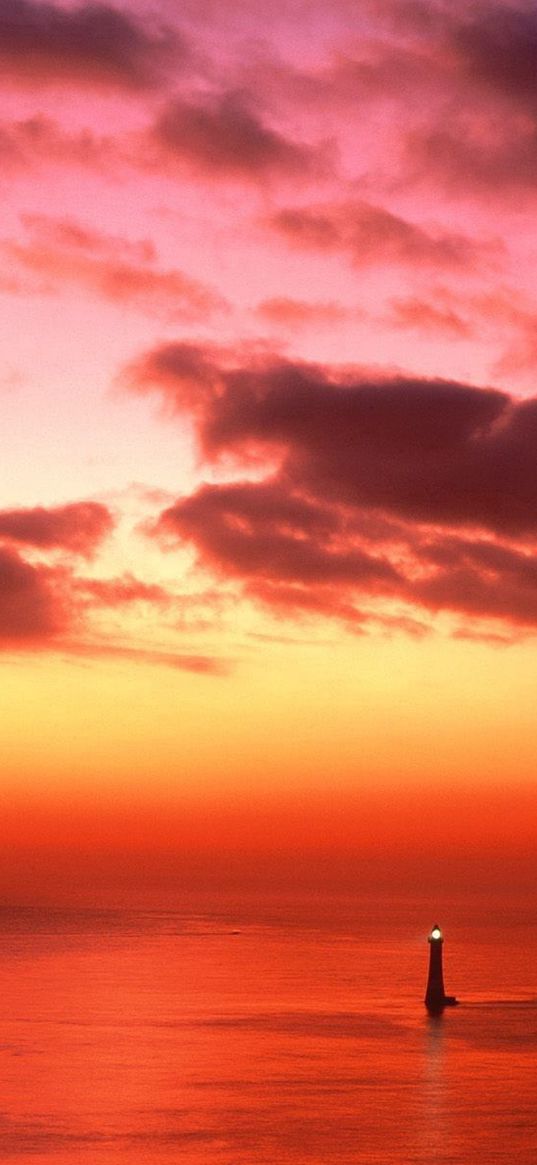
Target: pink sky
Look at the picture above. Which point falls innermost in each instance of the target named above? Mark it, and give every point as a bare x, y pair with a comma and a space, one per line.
269, 332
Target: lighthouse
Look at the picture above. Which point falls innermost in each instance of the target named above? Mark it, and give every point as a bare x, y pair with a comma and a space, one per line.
435, 996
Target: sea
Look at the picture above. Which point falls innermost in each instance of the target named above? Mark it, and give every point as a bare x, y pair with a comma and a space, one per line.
268, 1030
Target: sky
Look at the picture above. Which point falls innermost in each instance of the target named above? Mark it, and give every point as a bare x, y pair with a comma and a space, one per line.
268, 587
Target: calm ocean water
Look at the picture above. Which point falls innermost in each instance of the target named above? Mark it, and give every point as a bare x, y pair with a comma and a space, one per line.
267, 1032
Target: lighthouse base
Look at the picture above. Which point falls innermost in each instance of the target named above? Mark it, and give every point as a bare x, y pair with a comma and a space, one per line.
436, 1004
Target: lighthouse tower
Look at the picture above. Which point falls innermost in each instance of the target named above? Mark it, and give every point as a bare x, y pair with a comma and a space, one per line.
435, 996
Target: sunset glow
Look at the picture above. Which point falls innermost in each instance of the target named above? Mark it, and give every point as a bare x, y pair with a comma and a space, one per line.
268, 511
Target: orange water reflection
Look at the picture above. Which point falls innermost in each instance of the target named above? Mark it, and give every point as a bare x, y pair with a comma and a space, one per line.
177, 1039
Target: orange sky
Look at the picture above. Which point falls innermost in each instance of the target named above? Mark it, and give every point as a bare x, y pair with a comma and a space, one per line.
267, 510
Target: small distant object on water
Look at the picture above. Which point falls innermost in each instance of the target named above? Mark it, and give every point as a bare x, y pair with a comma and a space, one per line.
435, 996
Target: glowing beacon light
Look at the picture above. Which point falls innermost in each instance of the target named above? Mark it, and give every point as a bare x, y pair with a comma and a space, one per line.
435, 996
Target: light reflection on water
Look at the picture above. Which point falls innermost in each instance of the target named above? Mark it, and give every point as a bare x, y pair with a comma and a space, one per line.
244, 1039
433, 1128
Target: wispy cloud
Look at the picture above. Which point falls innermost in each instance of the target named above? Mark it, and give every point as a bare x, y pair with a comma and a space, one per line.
373, 235
60, 251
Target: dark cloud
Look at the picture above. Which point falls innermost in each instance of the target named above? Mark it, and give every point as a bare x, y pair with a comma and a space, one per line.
225, 136
372, 234
370, 480
428, 450
471, 51
38, 602
458, 81
321, 561
78, 527
265, 530
497, 44
44, 604
317, 228
44, 608
188, 375
94, 43
479, 576
34, 600
480, 134
493, 157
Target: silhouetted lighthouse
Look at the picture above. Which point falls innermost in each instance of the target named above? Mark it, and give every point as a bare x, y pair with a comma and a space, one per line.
435, 996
